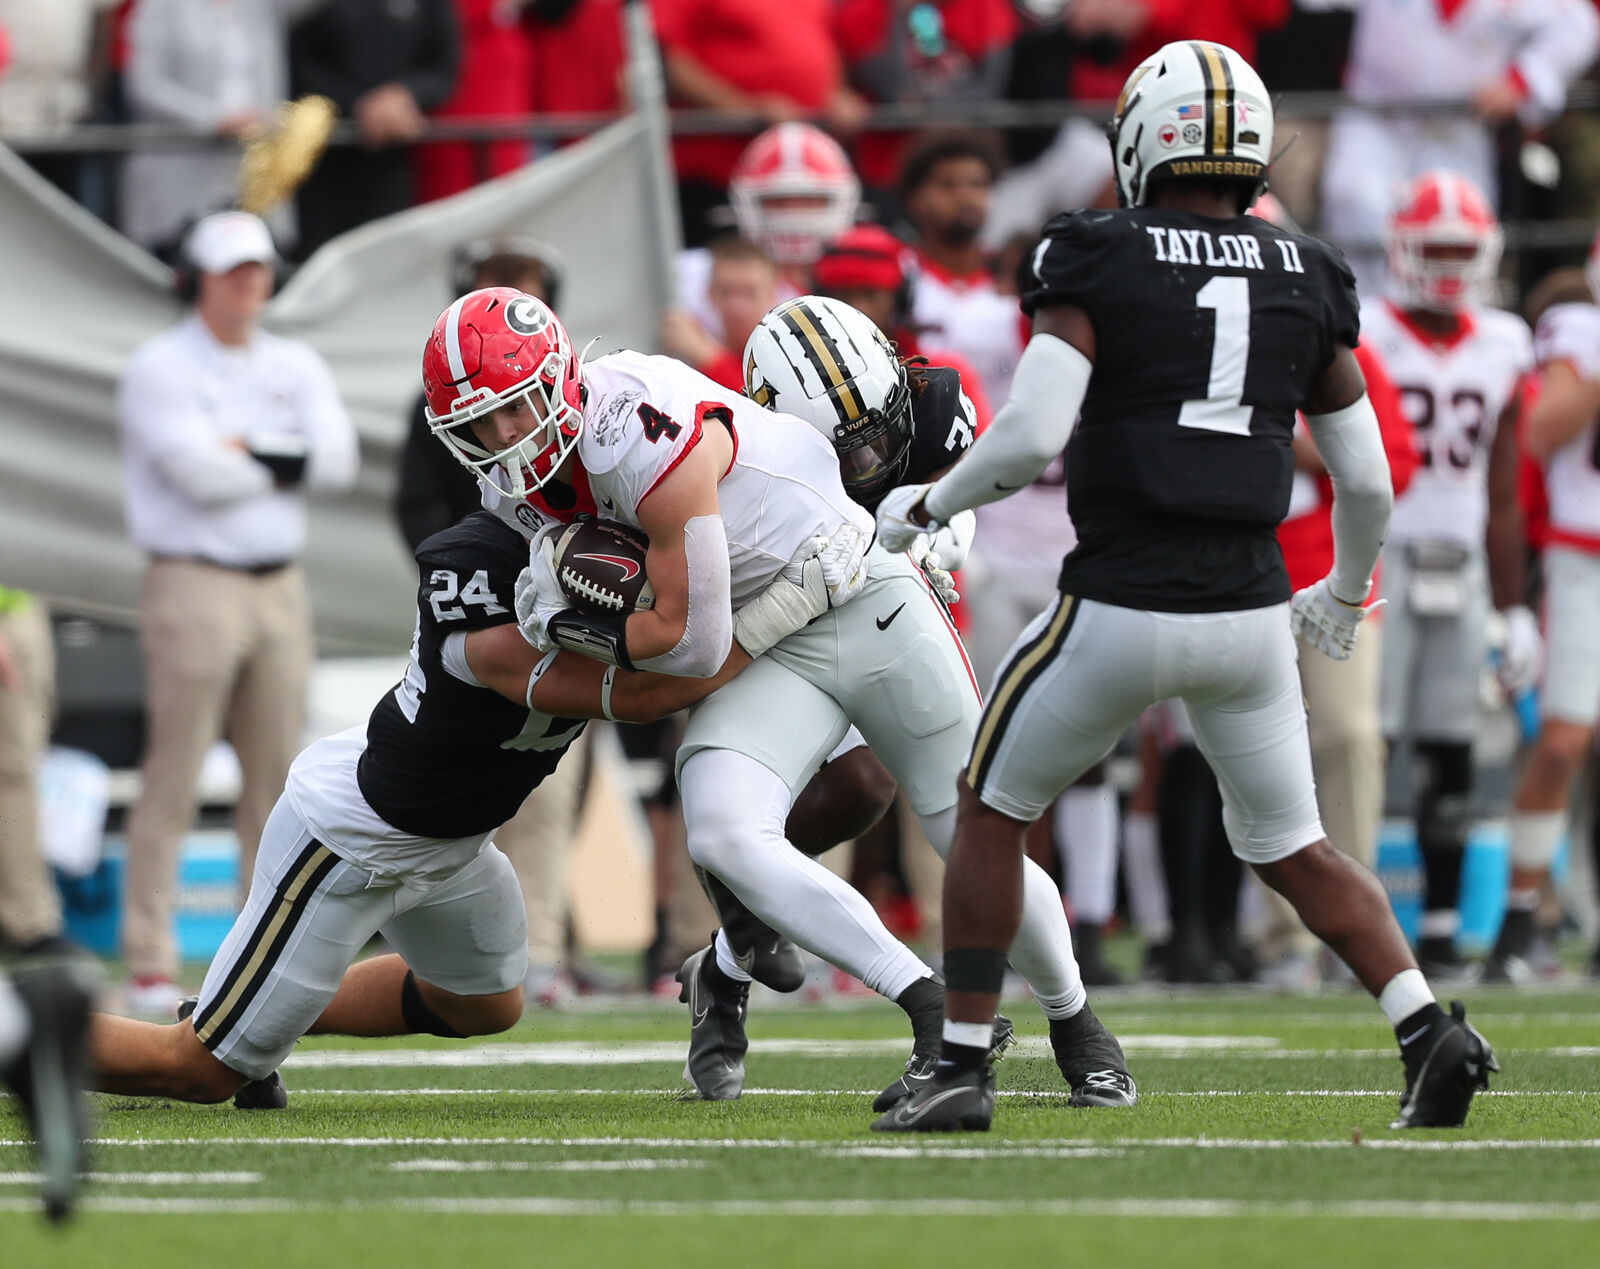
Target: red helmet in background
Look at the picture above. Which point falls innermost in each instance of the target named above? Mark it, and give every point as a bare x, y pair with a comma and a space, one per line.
793, 191
487, 350
1444, 244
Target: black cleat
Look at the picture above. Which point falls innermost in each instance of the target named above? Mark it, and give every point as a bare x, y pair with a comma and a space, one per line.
262, 1094
717, 1042
925, 1058
952, 1101
50, 1074
1091, 1060
1443, 1073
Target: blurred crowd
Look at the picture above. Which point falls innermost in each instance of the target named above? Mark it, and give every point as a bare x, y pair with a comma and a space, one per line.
1460, 104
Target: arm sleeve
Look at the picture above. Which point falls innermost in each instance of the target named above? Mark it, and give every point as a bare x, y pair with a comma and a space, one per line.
1351, 446
708, 632
1032, 428
1399, 441
160, 420
335, 454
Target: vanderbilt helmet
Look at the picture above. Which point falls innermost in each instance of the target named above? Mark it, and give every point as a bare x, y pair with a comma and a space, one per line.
493, 348
825, 362
1443, 244
1192, 110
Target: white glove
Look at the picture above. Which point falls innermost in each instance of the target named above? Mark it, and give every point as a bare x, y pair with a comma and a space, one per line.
896, 531
844, 563
1522, 659
952, 542
538, 594
1321, 619
785, 606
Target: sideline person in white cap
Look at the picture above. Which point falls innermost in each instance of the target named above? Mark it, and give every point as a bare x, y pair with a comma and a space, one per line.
223, 427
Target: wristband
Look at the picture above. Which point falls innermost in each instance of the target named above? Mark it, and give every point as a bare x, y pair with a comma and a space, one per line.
606, 684
600, 638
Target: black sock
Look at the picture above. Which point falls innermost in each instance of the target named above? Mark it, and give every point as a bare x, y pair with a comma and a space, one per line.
1418, 1026
923, 1002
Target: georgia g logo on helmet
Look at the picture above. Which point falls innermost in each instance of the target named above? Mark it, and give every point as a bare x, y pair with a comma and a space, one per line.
527, 315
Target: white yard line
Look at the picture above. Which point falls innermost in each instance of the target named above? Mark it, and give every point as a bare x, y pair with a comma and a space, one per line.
872, 1208
549, 1165
932, 1148
679, 1091
144, 1178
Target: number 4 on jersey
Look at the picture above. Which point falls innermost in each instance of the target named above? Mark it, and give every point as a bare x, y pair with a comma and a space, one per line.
1222, 409
657, 424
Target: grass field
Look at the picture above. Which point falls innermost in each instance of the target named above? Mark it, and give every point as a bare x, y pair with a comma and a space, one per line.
1261, 1139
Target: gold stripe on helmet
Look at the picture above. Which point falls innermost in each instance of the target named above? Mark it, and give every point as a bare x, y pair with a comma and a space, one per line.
824, 357
1219, 96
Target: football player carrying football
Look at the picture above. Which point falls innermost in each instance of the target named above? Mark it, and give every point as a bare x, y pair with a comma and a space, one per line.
726, 491
1178, 473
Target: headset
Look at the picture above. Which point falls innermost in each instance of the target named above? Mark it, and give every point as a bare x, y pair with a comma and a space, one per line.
186, 274
471, 256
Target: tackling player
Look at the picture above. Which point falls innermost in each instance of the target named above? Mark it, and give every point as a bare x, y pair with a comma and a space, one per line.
1455, 542
1189, 334
386, 828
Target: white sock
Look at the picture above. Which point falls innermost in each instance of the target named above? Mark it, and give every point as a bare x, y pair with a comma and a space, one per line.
1405, 993
725, 961
734, 808
14, 1024
1146, 879
974, 1035
1441, 925
1086, 836
1042, 951
1535, 837
1522, 900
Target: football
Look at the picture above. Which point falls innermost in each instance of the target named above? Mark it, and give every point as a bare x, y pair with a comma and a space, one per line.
600, 565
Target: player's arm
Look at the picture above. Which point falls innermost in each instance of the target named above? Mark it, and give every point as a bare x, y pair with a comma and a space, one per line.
690, 628
1030, 430
1503, 537
575, 686
1345, 428
1567, 404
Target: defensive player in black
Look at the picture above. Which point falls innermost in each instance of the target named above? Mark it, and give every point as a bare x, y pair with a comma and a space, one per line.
387, 828
1189, 335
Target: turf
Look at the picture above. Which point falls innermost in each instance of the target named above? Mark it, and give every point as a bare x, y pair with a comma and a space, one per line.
1261, 1138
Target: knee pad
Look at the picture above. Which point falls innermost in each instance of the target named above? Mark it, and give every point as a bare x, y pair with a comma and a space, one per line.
420, 1019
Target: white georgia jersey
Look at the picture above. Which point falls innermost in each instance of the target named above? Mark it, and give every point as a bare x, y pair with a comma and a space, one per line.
969, 317
1453, 393
1427, 50
1571, 332
643, 414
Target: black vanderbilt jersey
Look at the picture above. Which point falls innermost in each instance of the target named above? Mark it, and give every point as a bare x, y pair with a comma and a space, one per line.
444, 758
942, 424
1208, 335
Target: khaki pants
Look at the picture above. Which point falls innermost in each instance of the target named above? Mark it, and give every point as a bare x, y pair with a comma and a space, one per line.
29, 906
1347, 757
539, 840
226, 653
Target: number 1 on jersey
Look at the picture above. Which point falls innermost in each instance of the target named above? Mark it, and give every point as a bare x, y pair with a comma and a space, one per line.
1223, 409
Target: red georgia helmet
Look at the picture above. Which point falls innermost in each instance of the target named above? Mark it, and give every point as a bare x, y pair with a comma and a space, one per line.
488, 349
1442, 209
792, 191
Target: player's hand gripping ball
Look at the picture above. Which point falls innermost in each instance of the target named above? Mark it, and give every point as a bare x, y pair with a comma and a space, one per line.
600, 567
